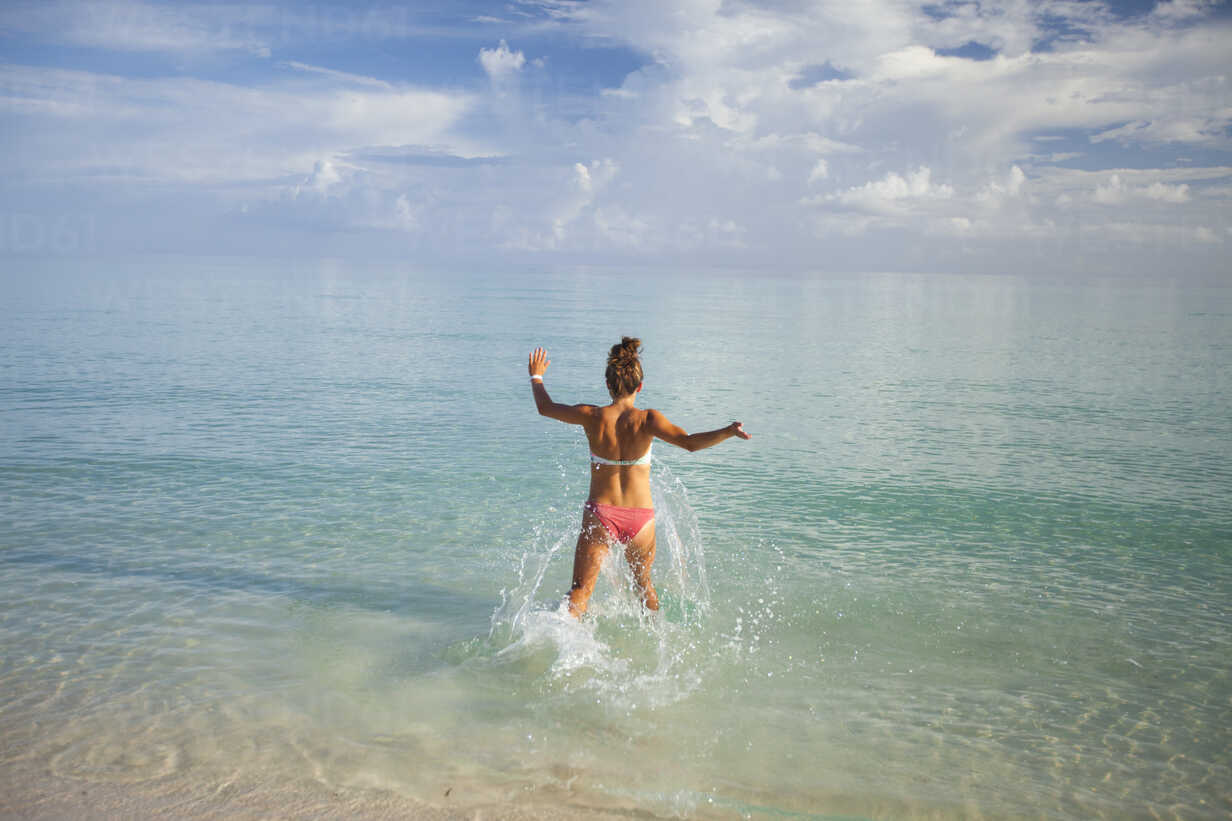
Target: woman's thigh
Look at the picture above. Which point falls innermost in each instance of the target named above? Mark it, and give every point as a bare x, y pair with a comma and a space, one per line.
640, 551
592, 548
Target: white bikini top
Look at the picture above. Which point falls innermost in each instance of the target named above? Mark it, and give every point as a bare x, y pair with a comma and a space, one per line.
644, 460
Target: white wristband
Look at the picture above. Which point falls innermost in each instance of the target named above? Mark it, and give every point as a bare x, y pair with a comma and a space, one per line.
536, 378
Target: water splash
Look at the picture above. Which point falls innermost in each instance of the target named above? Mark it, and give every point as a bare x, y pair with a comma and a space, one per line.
619, 651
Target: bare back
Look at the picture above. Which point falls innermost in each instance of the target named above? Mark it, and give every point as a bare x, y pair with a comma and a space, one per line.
619, 432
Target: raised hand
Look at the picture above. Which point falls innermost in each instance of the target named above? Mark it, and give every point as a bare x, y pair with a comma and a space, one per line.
737, 428
538, 362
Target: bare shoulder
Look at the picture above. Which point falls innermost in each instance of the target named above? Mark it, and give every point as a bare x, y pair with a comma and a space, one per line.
588, 413
657, 424
572, 414
654, 419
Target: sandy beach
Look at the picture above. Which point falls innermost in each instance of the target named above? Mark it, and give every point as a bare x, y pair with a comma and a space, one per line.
29, 791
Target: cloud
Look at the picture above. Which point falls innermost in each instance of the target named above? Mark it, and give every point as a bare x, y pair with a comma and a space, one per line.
406, 216
134, 27
1146, 233
912, 62
998, 190
1141, 188
881, 133
588, 182
821, 170
1180, 10
1116, 192
1188, 130
324, 176
892, 194
193, 29
343, 76
191, 130
501, 63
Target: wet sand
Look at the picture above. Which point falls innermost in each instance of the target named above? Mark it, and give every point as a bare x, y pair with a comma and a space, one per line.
29, 791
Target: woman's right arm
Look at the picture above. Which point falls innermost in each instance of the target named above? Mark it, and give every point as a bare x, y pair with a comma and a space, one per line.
663, 428
573, 414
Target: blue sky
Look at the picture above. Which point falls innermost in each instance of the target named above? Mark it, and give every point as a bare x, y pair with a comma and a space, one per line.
1056, 136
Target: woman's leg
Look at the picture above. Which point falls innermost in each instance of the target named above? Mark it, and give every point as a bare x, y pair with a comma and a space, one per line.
640, 552
587, 558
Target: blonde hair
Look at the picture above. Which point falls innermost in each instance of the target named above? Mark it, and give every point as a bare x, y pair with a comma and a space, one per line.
624, 367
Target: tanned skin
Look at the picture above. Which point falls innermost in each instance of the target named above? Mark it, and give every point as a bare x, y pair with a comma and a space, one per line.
618, 431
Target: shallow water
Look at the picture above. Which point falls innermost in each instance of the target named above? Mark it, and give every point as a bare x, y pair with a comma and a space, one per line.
302, 521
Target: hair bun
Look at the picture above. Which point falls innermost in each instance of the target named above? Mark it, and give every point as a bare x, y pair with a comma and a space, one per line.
626, 352
624, 366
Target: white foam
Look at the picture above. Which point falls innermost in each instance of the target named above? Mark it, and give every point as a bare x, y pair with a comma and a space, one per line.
619, 651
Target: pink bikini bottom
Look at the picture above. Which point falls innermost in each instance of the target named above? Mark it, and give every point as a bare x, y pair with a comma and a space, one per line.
622, 523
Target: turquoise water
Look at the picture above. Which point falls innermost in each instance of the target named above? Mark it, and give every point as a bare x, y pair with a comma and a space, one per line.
282, 523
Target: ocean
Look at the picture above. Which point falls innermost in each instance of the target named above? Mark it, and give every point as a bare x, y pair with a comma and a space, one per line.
288, 538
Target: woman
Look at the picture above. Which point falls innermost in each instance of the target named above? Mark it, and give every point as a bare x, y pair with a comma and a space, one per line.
619, 509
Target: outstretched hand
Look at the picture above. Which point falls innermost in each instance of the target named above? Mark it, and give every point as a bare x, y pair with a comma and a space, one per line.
538, 362
737, 428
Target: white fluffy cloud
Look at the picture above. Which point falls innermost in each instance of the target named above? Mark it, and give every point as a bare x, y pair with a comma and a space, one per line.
762, 132
500, 62
998, 190
893, 194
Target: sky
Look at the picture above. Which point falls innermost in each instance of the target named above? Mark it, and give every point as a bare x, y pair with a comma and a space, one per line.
1061, 137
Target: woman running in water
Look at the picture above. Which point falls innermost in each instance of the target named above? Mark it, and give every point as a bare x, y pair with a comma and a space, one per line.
618, 509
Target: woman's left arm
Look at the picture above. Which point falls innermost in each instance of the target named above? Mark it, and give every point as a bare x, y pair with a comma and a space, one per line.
673, 434
573, 414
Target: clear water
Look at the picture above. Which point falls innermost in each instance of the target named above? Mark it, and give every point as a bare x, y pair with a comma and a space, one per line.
282, 523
